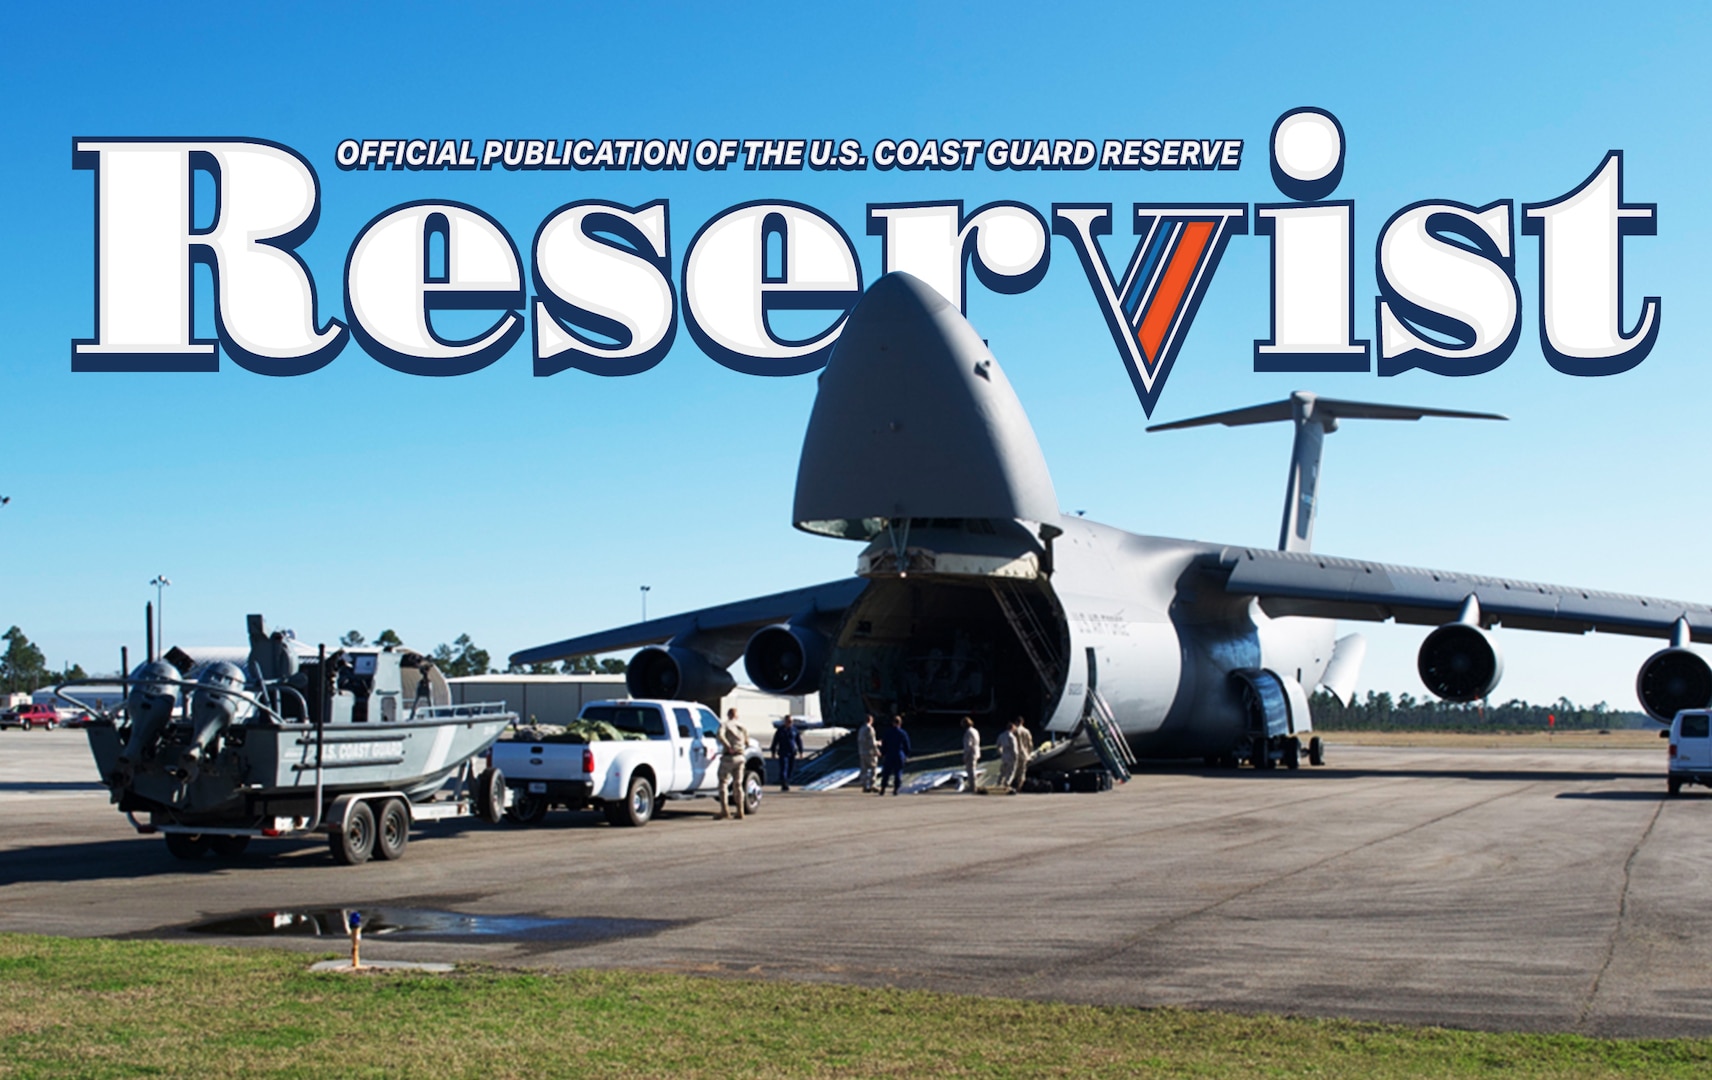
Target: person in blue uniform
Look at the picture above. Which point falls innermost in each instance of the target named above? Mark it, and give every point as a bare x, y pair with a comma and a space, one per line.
787, 747
894, 751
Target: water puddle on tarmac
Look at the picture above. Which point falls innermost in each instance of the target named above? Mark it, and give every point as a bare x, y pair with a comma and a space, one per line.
429, 924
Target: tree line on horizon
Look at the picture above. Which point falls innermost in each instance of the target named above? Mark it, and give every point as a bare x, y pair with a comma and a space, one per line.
1379, 711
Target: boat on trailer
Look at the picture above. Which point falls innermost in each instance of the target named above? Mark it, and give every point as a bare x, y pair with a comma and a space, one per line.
361, 743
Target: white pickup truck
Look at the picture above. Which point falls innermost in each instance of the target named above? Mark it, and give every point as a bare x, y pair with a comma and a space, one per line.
622, 757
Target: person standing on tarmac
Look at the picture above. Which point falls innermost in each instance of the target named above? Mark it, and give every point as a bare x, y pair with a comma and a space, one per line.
1007, 756
1024, 751
733, 742
971, 753
787, 747
867, 752
894, 751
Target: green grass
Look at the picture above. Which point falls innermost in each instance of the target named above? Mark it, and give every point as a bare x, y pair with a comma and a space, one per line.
125, 1009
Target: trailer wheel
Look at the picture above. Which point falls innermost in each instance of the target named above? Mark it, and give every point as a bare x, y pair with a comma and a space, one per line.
353, 844
393, 831
490, 796
228, 847
1292, 754
1316, 752
526, 809
638, 805
187, 846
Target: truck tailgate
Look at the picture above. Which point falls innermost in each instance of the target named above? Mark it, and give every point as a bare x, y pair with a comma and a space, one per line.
520, 760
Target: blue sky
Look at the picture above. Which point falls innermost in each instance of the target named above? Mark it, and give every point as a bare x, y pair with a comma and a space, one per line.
521, 510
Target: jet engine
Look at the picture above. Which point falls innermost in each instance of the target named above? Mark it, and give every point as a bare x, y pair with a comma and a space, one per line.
1671, 680
1460, 662
786, 659
672, 671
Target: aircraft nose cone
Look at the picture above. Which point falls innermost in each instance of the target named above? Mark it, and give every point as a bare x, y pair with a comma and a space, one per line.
915, 419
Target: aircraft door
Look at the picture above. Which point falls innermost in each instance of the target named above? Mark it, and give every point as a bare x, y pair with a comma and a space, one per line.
1073, 702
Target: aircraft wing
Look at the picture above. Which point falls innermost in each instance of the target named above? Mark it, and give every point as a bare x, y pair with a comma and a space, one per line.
719, 632
1305, 583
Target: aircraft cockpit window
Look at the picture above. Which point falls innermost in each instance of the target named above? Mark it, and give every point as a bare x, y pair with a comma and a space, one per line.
1696, 727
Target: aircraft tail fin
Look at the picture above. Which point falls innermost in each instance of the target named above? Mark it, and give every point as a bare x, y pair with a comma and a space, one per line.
1315, 418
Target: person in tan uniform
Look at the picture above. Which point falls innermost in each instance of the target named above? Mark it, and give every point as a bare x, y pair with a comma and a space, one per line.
867, 752
1007, 757
971, 755
733, 742
1024, 750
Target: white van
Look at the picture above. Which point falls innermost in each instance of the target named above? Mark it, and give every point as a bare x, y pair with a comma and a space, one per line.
1690, 749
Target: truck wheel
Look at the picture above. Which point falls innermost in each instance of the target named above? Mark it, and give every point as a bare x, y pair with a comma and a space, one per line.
228, 847
490, 796
638, 805
614, 813
1316, 752
187, 846
752, 788
1673, 785
393, 832
353, 844
526, 809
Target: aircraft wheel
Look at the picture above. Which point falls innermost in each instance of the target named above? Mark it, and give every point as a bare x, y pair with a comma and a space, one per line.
1292, 754
393, 831
1261, 755
526, 809
187, 846
353, 844
228, 847
1316, 752
638, 805
752, 789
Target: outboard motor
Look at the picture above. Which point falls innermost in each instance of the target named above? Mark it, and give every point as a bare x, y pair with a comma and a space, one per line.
672, 671
1460, 661
786, 659
213, 708
149, 705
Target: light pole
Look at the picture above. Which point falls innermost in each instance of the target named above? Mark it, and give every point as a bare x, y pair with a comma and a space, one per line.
160, 582
645, 589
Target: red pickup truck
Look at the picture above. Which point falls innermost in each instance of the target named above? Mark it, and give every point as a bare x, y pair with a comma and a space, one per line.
30, 716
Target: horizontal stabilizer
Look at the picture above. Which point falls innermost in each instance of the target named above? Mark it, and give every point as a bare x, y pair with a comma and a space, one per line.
1315, 417
1323, 409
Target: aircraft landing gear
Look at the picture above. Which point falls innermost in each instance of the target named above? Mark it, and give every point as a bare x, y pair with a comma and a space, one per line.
1260, 753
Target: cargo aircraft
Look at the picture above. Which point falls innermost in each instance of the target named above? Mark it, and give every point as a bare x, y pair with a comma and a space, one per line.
974, 595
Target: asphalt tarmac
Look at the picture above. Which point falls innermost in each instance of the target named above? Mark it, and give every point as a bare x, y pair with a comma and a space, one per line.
1553, 890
